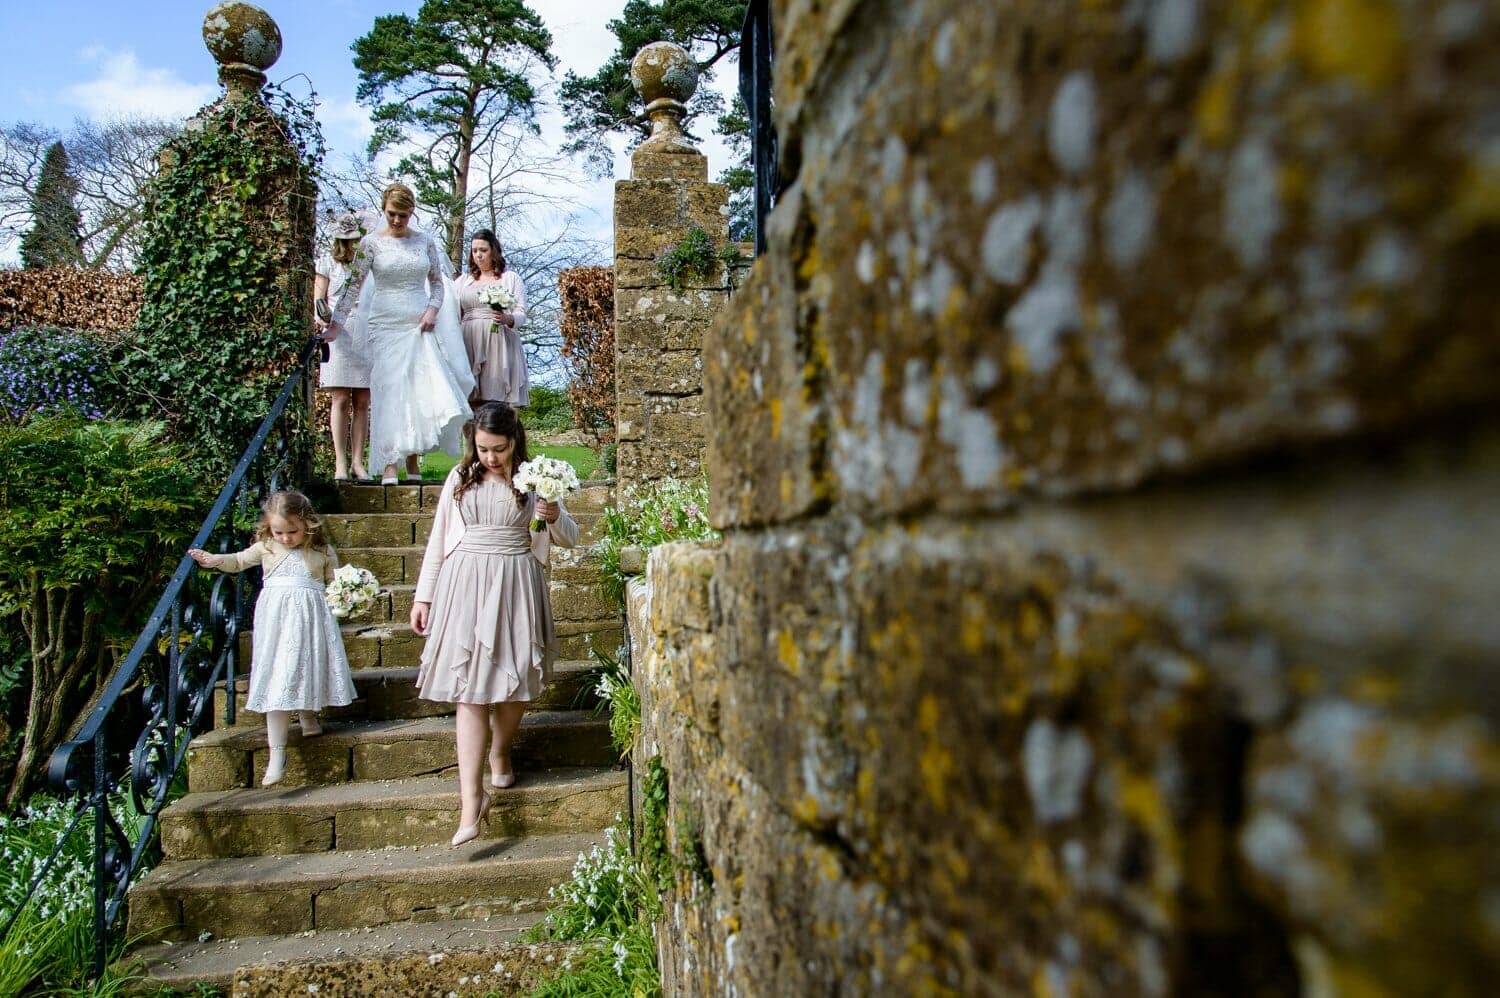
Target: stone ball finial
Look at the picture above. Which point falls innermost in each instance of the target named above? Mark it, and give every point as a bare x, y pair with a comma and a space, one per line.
666, 77
244, 41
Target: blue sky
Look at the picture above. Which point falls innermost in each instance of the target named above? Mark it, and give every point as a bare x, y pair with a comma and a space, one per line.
67, 60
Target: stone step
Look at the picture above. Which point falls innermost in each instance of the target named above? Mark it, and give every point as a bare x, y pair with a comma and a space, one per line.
376, 530
213, 963
280, 895
388, 750
391, 694
591, 497
414, 812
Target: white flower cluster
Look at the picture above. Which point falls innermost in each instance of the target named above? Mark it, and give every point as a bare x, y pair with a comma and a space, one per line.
599, 876
496, 297
548, 477
352, 590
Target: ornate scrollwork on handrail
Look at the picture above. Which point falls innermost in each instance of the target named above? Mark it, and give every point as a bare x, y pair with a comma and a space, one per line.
188, 646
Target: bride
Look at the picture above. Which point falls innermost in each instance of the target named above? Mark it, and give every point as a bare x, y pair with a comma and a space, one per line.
419, 376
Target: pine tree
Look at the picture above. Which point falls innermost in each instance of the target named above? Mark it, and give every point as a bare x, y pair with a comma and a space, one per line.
53, 240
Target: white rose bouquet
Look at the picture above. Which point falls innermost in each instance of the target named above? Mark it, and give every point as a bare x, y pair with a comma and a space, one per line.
549, 478
497, 298
352, 590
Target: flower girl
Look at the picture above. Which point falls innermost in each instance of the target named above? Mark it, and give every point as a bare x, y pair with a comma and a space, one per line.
298, 661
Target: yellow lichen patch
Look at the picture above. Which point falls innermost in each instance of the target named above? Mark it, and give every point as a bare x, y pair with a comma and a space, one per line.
1215, 110
1478, 200
1356, 39
749, 328
775, 419
973, 623
1015, 359
787, 652
805, 810
1041, 871
1294, 183
1030, 622
936, 761
788, 490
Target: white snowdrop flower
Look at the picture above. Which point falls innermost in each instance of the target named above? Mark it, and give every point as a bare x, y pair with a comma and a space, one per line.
437, 958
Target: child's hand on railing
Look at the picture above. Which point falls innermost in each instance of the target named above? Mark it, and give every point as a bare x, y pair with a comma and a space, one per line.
204, 558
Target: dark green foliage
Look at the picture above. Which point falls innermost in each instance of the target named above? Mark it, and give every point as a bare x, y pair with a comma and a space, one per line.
92, 514
734, 126
607, 458
605, 104
655, 855
223, 316
449, 79
549, 410
54, 238
693, 257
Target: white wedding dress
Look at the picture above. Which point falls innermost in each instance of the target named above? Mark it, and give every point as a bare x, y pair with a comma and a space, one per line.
419, 382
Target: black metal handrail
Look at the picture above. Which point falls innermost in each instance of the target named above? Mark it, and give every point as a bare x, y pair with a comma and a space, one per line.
190, 643
756, 55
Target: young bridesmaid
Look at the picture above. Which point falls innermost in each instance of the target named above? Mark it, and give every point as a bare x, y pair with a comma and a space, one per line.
297, 661
482, 603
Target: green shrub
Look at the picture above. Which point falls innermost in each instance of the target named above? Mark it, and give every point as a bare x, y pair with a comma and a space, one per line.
651, 514
618, 695
549, 410
92, 517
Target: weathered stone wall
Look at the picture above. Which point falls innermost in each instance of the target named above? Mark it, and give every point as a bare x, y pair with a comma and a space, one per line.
1106, 451
659, 416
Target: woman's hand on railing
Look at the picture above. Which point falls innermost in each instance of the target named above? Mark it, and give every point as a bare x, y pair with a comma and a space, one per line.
205, 559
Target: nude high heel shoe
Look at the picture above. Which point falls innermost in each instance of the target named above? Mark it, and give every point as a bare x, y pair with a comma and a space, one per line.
468, 833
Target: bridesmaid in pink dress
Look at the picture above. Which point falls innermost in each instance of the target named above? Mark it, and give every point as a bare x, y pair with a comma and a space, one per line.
495, 353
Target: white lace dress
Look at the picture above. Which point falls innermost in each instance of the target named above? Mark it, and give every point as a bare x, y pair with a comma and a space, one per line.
298, 661
419, 382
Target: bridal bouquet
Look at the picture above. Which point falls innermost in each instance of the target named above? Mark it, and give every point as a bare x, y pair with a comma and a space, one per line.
549, 478
352, 590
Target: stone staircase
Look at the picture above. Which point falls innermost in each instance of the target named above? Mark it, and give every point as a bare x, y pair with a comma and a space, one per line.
348, 858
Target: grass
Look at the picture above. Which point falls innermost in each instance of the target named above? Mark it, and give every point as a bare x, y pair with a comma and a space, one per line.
435, 466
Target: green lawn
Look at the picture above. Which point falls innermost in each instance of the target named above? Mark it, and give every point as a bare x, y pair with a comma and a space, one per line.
435, 467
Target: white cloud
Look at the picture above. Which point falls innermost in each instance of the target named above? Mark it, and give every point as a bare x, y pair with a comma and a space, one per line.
122, 86
345, 123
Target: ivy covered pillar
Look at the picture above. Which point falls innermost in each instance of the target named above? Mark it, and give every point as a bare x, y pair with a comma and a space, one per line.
671, 226
227, 255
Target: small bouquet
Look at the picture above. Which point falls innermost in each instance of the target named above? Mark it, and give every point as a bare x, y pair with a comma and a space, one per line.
352, 590
496, 297
549, 478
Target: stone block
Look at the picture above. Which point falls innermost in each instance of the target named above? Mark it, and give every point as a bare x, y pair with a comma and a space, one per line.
527, 966
648, 165
195, 835
649, 317
645, 462
676, 372
395, 760
682, 574
217, 767
266, 912
403, 498
585, 602
314, 762
362, 498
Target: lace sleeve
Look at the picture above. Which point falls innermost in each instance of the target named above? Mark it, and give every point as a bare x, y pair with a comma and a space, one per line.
434, 275
357, 273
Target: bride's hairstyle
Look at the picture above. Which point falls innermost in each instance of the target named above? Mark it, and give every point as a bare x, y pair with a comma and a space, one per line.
501, 420
495, 253
399, 197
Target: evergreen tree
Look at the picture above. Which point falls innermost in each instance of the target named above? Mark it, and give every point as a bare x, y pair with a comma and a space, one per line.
54, 239
451, 79
605, 104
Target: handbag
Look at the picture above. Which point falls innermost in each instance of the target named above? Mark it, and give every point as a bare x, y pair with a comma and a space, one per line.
323, 310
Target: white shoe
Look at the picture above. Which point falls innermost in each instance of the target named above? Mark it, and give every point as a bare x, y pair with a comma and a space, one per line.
309, 721
275, 767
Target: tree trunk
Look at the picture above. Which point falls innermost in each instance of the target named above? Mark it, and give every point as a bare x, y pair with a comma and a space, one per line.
461, 183
56, 668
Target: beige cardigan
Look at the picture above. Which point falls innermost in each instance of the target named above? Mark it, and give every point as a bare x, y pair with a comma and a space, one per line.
269, 554
448, 529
